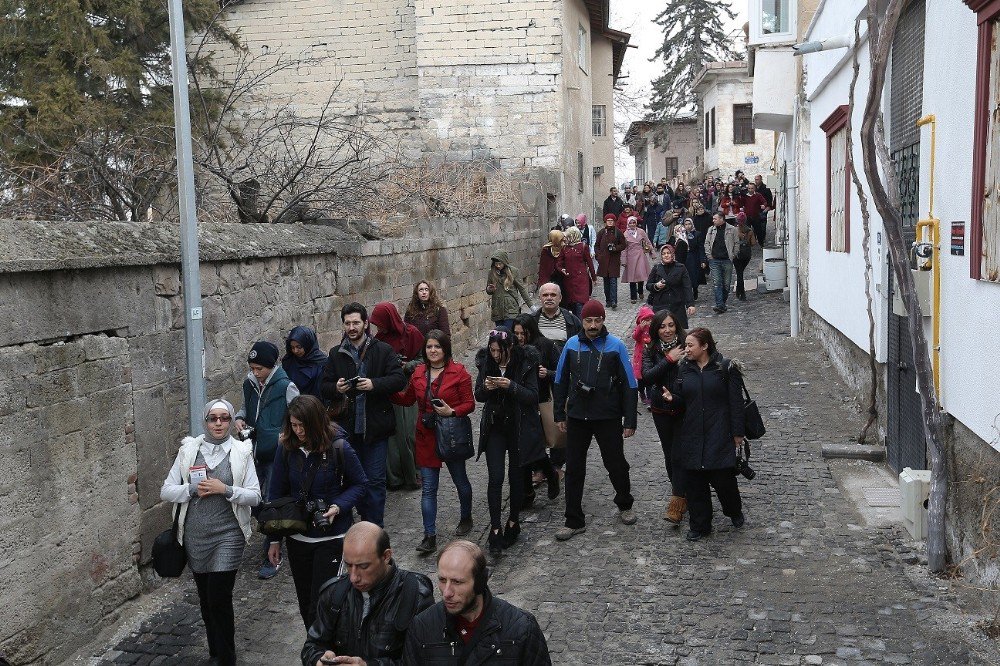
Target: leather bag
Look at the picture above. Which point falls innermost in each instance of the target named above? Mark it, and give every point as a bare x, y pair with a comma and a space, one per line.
286, 516
453, 435
753, 422
169, 557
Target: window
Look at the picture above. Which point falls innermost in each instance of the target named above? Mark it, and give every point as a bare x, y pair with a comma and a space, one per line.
579, 169
599, 119
640, 169
712, 125
772, 21
743, 124
707, 122
984, 227
838, 182
581, 50
672, 167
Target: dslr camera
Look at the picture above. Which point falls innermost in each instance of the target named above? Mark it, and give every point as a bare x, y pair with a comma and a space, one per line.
743, 467
316, 508
584, 388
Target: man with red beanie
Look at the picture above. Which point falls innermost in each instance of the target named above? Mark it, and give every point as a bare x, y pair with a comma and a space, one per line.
594, 391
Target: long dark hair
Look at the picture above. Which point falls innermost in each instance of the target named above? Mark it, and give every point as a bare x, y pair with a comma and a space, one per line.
504, 337
704, 336
658, 319
443, 339
433, 302
530, 326
311, 413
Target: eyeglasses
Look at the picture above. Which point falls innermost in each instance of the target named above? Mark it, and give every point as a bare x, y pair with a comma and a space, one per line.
225, 418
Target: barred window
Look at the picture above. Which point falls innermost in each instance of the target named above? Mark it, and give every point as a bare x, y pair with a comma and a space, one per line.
743, 124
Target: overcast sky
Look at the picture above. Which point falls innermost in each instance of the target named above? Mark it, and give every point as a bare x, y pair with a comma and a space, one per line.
637, 18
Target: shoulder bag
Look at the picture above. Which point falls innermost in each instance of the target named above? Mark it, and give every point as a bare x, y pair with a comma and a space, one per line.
452, 434
753, 422
286, 516
169, 557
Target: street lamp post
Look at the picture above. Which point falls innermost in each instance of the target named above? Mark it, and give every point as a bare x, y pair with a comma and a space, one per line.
194, 334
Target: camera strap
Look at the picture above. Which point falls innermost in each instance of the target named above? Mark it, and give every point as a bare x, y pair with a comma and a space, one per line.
310, 477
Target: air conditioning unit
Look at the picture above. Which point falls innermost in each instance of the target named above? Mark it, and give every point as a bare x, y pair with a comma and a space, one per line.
914, 489
598, 171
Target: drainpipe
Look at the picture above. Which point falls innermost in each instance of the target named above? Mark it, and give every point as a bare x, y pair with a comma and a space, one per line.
791, 221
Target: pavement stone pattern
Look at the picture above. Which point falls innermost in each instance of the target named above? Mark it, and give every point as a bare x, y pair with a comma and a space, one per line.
802, 583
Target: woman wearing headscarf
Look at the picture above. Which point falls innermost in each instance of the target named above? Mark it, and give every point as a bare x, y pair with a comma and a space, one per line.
575, 263
407, 342
587, 232
213, 482
547, 270
304, 361
510, 432
504, 286
669, 287
635, 258
426, 311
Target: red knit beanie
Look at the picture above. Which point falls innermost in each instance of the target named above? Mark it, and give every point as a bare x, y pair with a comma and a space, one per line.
592, 308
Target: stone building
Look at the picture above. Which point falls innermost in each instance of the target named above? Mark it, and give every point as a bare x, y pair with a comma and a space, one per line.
730, 140
524, 84
677, 156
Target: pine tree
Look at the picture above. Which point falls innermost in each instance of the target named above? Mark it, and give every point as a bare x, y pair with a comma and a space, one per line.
692, 36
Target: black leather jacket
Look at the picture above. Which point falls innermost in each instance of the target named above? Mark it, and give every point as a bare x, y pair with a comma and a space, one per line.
506, 635
379, 638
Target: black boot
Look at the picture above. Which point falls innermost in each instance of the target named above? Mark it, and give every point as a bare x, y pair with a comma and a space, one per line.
510, 534
428, 545
496, 543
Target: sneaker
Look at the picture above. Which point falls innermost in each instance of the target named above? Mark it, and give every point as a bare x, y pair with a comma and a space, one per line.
739, 521
717, 309
428, 545
268, 571
464, 527
696, 536
567, 533
627, 517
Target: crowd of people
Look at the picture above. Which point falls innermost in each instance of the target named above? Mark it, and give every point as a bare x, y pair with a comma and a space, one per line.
333, 432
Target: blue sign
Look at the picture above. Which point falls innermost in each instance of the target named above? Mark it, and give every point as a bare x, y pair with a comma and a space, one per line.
751, 159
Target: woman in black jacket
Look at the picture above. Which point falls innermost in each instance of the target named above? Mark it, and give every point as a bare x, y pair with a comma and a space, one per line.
669, 287
507, 382
315, 458
660, 363
711, 432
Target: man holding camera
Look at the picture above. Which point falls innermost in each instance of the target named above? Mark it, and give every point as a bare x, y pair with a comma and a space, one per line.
358, 379
267, 390
595, 389
363, 617
608, 251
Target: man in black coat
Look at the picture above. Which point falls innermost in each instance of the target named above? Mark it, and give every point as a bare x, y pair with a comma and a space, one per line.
613, 204
470, 625
358, 379
363, 616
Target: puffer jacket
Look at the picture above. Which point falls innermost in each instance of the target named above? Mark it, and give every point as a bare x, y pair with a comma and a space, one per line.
523, 393
676, 294
506, 635
504, 303
712, 399
602, 364
380, 637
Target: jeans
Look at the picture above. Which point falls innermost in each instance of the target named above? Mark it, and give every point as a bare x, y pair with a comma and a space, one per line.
371, 506
608, 433
722, 278
611, 290
312, 565
699, 496
667, 428
635, 290
500, 446
215, 594
430, 476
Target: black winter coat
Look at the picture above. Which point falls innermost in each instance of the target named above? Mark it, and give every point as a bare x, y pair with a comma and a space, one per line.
548, 355
677, 294
505, 635
380, 638
658, 371
573, 325
523, 393
384, 369
713, 413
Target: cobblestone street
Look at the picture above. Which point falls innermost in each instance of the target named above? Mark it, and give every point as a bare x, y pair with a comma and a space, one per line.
803, 583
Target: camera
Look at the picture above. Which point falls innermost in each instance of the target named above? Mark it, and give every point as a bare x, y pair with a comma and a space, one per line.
743, 467
316, 508
353, 381
247, 434
429, 420
584, 388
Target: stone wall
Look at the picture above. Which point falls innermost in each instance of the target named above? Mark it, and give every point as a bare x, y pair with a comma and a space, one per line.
94, 395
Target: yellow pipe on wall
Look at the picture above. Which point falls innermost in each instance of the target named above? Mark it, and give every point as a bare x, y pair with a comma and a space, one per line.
934, 225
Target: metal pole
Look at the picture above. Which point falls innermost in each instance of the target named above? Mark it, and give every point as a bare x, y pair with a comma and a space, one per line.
194, 334
792, 220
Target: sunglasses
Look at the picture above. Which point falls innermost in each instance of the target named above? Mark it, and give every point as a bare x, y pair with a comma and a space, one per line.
498, 335
218, 419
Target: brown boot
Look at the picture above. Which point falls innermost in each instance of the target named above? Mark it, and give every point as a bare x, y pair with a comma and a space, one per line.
675, 510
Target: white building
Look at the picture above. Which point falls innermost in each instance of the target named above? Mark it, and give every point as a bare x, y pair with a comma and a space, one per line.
832, 280
731, 143
676, 157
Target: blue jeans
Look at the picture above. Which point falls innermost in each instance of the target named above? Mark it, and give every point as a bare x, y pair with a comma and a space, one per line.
429, 477
611, 290
371, 506
722, 279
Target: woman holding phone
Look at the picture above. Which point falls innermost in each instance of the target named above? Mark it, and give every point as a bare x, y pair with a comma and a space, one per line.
440, 387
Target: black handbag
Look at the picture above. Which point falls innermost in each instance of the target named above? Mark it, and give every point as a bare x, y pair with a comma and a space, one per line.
452, 434
286, 516
169, 557
753, 423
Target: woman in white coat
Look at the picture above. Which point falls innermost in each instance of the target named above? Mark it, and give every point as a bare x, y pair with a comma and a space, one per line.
214, 483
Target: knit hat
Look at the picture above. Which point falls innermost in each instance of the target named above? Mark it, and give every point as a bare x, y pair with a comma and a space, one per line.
263, 353
592, 308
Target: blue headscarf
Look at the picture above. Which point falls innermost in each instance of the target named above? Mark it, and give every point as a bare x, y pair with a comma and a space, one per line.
306, 372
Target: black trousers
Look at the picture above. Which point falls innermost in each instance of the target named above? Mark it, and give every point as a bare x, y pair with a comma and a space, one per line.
667, 429
215, 593
738, 268
635, 289
501, 447
558, 456
608, 433
699, 496
312, 565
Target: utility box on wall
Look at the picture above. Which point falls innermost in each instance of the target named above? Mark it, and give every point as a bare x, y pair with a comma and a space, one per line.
914, 489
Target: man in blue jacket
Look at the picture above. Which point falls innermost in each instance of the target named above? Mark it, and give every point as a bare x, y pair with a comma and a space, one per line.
594, 391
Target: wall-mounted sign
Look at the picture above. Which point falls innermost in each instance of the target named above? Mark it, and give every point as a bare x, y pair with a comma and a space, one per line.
751, 159
958, 238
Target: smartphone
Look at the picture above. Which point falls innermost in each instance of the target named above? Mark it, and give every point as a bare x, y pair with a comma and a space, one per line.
492, 379
437, 402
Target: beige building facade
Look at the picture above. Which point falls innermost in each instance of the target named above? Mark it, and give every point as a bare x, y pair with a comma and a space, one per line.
678, 157
515, 84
